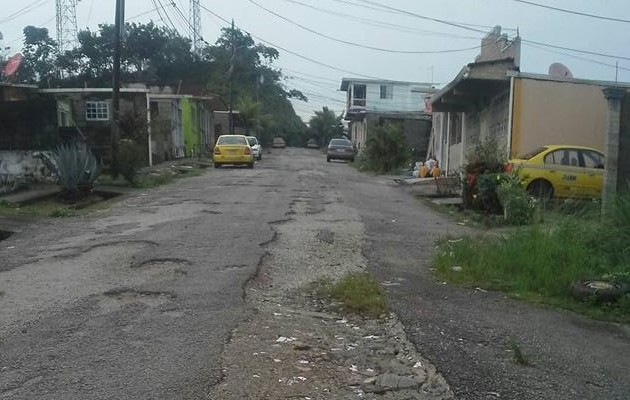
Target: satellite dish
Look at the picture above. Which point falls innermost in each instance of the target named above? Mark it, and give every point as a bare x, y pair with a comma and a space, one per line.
13, 64
559, 70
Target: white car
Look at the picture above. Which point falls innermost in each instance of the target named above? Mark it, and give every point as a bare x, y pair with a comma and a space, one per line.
256, 147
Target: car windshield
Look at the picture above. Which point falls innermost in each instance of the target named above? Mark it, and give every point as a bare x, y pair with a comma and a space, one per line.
252, 141
340, 142
223, 140
532, 154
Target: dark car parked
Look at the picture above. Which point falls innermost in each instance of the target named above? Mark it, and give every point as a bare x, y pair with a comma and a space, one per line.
341, 149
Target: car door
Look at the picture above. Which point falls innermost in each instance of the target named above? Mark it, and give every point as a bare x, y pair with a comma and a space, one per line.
593, 162
564, 172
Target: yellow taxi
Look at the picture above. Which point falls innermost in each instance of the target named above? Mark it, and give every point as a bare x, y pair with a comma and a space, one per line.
232, 149
561, 171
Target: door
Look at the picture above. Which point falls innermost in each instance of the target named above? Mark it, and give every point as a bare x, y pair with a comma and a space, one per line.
564, 172
593, 163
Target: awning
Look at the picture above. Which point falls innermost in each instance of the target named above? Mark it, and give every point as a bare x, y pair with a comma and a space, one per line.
474, 85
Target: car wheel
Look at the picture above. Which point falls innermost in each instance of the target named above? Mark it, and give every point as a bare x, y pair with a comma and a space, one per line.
250, 165
217, 165
328, 159
599, 290
541, 189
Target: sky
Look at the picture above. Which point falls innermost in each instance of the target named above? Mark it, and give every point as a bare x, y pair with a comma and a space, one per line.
322, 41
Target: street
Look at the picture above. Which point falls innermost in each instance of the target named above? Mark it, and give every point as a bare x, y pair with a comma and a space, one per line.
141, 300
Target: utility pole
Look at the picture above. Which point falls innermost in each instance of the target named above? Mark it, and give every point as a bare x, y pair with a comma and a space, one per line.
232, 59
115, 135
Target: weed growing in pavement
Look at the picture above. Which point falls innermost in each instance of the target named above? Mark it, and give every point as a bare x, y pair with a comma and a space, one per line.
360, 293
151, 181
540, 262
62, 213
517, 353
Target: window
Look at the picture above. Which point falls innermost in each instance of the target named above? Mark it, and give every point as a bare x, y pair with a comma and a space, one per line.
358, 94
567, 157
96, 110
387, 91
593, 159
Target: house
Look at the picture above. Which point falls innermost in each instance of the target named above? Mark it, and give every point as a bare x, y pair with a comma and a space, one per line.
492, 98
182, 125
27, 124
378, 101
165, 125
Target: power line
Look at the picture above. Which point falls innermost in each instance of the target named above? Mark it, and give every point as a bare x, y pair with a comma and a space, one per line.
182, 19
578, 57
564, 10
357, 44
476, 30
382, 24
158, 4
142, 14
309, 75
292, 52
575, 50
392, 10
24, 10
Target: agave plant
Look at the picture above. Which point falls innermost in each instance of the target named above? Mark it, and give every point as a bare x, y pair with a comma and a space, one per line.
75, 166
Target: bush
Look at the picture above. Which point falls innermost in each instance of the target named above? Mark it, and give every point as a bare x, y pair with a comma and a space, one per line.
385, 150
129, 160
518, 206
483, 164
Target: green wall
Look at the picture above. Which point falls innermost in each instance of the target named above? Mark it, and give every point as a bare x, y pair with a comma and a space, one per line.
190, 126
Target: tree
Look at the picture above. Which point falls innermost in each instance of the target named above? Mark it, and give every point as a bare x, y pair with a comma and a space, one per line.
40, 54
325, 125
236, 58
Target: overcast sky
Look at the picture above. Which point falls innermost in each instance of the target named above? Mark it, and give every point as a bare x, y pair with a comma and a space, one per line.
363, 23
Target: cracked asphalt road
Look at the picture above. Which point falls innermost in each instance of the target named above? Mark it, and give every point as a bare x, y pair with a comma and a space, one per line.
139, 301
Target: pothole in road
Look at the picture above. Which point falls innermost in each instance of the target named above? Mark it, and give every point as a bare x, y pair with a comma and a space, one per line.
326, 236
211, 212
116, 299
5, 235
163, 268
231, 266
162, 262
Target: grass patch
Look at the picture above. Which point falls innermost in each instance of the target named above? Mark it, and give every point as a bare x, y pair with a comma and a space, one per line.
538, 263
359, 293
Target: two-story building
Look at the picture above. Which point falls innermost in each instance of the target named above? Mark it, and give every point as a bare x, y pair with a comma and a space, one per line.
371, 101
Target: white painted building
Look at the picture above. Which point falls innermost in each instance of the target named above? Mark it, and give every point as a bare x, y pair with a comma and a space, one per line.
376, 101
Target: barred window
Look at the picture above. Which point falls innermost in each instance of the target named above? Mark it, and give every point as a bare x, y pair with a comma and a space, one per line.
96, 110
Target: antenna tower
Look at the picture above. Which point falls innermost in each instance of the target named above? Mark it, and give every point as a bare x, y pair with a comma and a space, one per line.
66, 24
195, 20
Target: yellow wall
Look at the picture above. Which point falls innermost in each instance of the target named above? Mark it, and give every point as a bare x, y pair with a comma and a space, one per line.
549, 112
